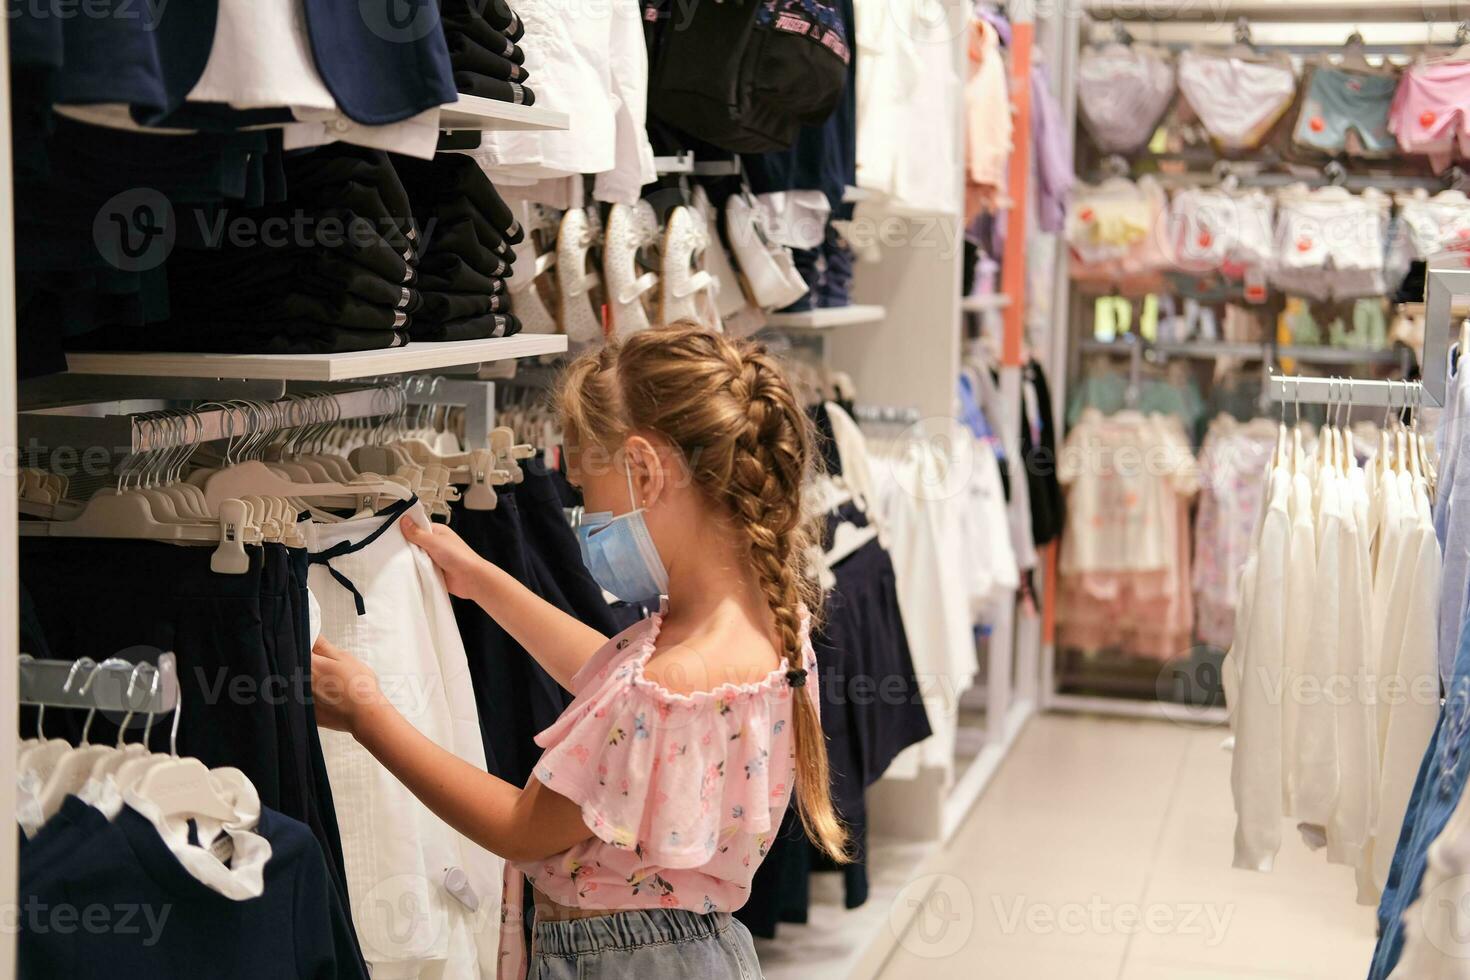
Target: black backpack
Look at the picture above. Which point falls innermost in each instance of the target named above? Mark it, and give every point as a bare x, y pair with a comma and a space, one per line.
746, 75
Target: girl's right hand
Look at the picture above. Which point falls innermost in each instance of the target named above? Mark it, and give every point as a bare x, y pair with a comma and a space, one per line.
464, 571
344, 689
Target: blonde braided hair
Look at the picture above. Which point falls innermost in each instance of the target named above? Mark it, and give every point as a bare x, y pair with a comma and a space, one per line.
731, 412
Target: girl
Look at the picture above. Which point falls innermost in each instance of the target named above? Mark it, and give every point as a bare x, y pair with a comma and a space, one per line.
663, 784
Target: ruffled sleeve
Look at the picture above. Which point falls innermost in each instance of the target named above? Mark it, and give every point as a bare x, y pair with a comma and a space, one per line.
668, 775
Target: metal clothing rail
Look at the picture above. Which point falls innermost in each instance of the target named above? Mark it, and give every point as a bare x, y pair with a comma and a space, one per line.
138, 426
112, 685
886, 414
477, 398
1327, 391
1447, 297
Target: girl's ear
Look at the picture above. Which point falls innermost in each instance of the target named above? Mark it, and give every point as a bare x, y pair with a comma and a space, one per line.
646, 463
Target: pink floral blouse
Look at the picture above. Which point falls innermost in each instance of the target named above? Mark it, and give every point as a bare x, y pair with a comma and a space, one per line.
683, 793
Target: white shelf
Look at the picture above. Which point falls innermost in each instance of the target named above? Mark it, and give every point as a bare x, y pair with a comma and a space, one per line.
986, 303
1212, 350
827, 318
318, 367
477, 112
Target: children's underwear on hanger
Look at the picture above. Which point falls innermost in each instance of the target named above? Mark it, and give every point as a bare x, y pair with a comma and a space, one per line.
1238, 101
1427, 115
1123, 92
1212, 228
1340, 101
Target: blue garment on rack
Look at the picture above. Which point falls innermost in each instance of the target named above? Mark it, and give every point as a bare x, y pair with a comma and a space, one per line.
970, 411
1443, 772
1437, 789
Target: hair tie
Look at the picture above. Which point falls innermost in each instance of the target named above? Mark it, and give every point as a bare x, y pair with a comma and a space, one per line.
796, 678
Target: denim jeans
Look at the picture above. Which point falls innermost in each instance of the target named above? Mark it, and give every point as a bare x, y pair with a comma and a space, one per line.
652, 944
1437, 788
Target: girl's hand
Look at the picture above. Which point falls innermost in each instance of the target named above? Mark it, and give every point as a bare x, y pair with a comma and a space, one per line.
344, 688
464, 571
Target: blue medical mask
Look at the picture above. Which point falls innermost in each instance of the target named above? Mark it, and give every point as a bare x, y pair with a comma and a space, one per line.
620, 554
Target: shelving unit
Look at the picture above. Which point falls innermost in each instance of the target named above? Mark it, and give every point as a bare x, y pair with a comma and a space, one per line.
488, 115
985, 304
1208, 350
828, 318
318, 367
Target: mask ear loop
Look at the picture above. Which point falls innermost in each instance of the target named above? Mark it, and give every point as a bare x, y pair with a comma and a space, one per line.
633, 500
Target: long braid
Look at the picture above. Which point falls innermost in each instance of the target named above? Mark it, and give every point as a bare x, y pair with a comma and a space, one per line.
732, 412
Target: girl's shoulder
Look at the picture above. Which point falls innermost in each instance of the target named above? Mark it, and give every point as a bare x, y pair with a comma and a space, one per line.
715, 667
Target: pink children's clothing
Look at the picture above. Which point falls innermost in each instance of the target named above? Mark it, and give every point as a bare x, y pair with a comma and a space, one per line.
1427, 114
684, 793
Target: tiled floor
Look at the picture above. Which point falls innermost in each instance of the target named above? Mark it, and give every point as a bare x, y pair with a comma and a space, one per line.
1102, 849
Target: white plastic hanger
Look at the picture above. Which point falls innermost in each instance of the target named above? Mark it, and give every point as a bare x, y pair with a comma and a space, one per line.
509, 453
176, 785
75, 767
42, 751
847, 539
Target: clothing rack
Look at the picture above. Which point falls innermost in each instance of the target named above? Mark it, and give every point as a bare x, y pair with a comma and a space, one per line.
142, 425
685, 163
112, 685
887, 414
1331, 391
1353, 182
477, 398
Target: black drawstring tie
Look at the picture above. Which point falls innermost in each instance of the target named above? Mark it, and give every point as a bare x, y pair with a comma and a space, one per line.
341, 548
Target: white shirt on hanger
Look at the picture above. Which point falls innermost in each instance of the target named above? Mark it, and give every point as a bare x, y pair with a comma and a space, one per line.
1255, 766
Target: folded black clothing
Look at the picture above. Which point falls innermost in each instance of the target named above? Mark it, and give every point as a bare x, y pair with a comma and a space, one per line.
340, 309
458, 208
454, 275
312, 271
459, 238
481, 327
365, 200
299, 336
484, 35
442, 307
282, 230
243, 166
482, 86
462, 237
495, 13
451, 175
330, 177
467, 54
